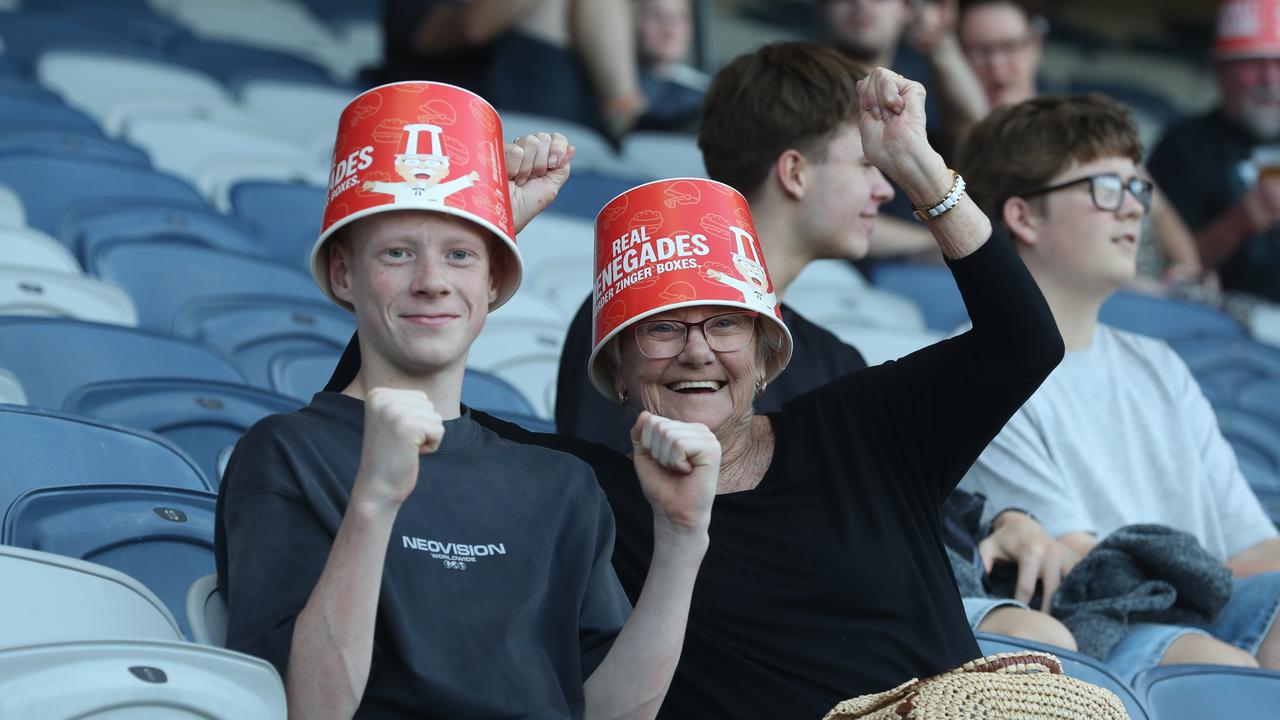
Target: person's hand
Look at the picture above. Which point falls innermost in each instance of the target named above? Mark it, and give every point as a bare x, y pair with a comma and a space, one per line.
933, 21
892, 126
1017, 537
678, 464
537, 167
399, 426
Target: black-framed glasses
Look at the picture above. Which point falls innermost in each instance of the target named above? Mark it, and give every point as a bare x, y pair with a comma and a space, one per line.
727, 332
1107, 190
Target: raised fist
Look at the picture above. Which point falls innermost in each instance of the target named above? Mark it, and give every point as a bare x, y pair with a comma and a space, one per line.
399, 426
678, 464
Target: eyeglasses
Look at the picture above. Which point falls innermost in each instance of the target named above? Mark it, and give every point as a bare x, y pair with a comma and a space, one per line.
986, 53
661, 339
1107, 190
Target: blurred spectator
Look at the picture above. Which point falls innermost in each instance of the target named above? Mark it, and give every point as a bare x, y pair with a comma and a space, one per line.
916, 38
673, 88
1003, 41
1119, 434
1218, 167
571, 59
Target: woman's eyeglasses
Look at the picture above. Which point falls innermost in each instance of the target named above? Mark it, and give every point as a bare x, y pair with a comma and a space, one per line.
661, 339
1107, 190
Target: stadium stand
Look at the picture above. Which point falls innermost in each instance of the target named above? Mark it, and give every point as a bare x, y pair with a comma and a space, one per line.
1167, 318
207, 611
931, 288
85, 228
11, 213
57, 293
20, 112
1190, 692
11, 392
162, 537
53, 358
201, 417
73, 144
24, 247
138, 679
286, 215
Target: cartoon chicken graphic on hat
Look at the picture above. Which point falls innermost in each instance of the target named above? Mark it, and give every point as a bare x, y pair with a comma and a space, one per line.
754, 283
423, 172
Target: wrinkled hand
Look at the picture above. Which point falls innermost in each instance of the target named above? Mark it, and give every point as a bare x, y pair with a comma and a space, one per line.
932, 22
1018, 538
892, 125
399, 427
678, 464
537, 167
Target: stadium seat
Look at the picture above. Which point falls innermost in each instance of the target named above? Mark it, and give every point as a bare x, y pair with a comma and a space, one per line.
1223, 366
878, 344
287, 216
197, 148
1256, 442
52, 358
253, 330
50, 186
590, 191
207, 612
832, 290
1262, 398
201, 417
50, 599
56, 293
1076, 665
11, 392
27, 36
1194, 692
1168, 319
81, 145
95, 81
1264, 324
592, 154
931, 287
523, 353
86, 228
126, 110
488, 392
170, 282
124, 19
11, 212
162, 537
662, 155
302, 372
28, 113
138, 679
562, 282
281, 26
549, 237
234, 64
24, 247
306, 112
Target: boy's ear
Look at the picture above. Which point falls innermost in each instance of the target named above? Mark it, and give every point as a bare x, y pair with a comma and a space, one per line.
1022, 220
791, 170
339, 271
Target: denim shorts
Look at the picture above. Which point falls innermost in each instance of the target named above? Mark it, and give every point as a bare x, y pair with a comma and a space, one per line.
978, 608
1244, 623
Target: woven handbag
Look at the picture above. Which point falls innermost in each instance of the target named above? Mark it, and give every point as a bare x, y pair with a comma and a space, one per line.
1007, 686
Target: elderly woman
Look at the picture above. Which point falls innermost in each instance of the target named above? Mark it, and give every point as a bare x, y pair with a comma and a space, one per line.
826, 575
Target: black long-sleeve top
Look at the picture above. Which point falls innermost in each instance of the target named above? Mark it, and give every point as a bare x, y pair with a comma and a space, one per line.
829, 579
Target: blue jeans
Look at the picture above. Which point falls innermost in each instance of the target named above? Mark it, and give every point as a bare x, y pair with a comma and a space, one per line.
1244, 623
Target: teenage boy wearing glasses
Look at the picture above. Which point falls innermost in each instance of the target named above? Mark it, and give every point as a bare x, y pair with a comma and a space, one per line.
1119, 433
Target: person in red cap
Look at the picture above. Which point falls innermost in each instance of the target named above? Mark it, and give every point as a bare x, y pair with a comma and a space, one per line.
1207, 165
392, 557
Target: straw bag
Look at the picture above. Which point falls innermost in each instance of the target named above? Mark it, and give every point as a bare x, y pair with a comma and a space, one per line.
1008, 686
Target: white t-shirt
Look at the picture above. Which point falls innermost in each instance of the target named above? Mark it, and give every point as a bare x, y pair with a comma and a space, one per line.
1121, 434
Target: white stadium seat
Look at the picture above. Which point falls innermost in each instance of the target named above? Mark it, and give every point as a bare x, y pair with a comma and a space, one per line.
11, 211
32, 291
11, 391
305, 114
207, 609
27, 247
664, 155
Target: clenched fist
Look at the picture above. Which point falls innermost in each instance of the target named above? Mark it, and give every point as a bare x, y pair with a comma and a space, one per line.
678, 464
399, 426
538, 166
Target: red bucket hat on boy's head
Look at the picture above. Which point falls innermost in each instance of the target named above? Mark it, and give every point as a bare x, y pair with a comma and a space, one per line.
419, 146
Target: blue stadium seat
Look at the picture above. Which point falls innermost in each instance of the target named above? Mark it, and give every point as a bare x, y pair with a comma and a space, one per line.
170, 282
83, 230
71, 144
130, 19
302, 372
1196, 692
1168, 319
161, 537
931, 287
50, 186
490, 393
233, 63
52, 358
1076, 665
201, 417
31, 112
48, 449
1256, 442
1262, 398
589, 192
253, 330
287, 216
28, 34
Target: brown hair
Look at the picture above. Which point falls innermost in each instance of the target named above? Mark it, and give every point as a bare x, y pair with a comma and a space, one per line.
789, 95
1019, 148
